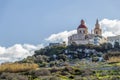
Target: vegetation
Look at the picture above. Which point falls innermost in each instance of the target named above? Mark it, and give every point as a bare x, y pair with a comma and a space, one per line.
74, 62
16, 67
114, 59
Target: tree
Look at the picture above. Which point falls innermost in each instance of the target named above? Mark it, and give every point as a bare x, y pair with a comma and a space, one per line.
63, 57
116, 45
106, 46
109, 45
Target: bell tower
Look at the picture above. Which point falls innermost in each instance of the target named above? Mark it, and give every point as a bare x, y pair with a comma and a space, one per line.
97, 29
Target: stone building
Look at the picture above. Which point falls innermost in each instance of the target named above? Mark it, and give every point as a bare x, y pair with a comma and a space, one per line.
84, 37
113, 39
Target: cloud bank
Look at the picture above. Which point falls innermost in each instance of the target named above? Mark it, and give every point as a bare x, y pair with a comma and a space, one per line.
110, 27
17, 52
60, 37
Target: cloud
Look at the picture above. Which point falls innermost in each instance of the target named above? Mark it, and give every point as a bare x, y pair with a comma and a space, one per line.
17, 52
110, 27
60, 37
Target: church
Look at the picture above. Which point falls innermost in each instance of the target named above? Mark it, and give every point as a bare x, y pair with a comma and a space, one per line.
84, 37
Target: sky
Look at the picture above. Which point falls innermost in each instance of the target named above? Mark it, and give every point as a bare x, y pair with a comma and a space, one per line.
28, 24
31, 21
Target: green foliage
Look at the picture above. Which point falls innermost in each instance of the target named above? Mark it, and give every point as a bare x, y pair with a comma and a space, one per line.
12, 76
50, 51
106, 46
116, 45
63, 57
95, 59
54, 78
40, 72
41, 59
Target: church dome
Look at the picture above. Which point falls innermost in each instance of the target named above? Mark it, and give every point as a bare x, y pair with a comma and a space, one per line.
82, 25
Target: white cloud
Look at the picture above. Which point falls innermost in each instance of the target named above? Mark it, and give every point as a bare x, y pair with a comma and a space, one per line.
60, 37
108, 33
17, 52
110, 27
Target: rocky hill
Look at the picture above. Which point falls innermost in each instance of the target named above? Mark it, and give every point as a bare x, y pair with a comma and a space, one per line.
73, 62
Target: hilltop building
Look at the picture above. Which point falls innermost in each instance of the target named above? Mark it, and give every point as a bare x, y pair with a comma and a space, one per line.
57, 44
84, 37
113, 39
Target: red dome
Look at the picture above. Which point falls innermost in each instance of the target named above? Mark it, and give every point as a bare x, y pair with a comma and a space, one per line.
82, 26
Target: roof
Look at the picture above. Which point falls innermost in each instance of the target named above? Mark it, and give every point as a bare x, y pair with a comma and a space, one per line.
82, 24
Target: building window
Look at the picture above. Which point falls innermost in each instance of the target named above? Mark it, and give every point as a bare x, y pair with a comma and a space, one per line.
80, 31
96, 32
83, 31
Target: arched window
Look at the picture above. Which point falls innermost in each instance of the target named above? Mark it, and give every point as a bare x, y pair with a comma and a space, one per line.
80, 31
86, 36
96, 32
83, 31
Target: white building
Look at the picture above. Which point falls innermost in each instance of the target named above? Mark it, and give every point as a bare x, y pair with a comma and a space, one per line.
114, 39
83, 37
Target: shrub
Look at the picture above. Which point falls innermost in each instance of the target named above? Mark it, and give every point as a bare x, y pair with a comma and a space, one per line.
95, 59
41, 59
12, 76
78, 72
111, 54
54, 70
52, 63
62, 56
114, 59
64, 73
69, 69
54, 78
87, 72
115, 78
42, 72
71, 77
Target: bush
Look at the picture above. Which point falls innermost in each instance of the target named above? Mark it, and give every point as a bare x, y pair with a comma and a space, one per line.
115, 78
54, 70
111, 54
41, 59
78, 72
68, 69
54, 78
114, 59
95, 59
12, 76
52, 63
87, 72
43, 72
64, 73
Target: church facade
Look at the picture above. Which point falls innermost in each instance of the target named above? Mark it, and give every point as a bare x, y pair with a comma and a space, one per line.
84, 37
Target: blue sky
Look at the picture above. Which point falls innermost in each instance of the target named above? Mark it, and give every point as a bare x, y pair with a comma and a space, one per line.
31, 21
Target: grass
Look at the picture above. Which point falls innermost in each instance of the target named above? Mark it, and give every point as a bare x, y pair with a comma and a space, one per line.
91, 72
17, 67
114, 59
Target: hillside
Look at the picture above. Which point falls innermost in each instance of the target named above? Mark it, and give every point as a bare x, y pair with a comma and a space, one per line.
74, 62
